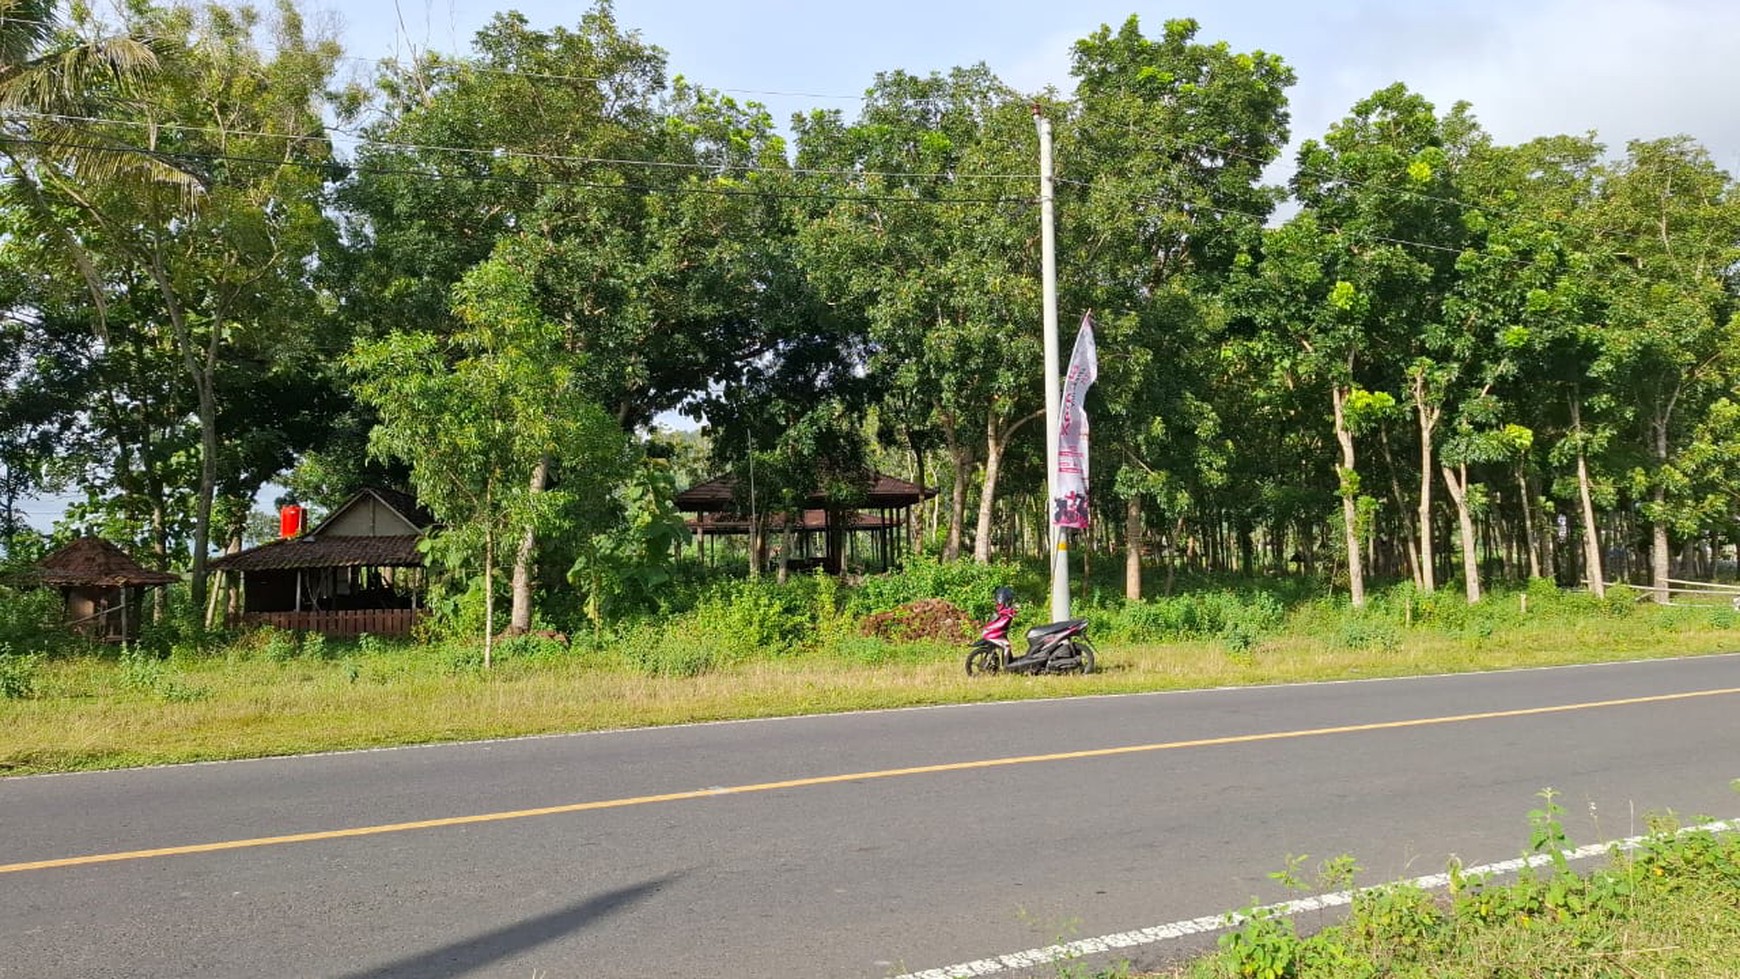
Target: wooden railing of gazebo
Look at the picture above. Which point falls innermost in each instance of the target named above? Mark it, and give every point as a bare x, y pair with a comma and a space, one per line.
350, 622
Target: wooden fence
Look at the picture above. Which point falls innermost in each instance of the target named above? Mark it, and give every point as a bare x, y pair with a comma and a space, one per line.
1679, 592
355, 622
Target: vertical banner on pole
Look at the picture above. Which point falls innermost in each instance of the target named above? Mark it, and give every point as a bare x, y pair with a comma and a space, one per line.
1069, 507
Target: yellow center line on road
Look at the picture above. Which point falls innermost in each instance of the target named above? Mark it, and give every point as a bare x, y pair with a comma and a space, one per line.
798, 783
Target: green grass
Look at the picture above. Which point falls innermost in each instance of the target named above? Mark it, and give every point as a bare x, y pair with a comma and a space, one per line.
270, 695
1667, 910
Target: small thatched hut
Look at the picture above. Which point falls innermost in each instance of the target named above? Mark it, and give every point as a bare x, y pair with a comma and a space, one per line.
103, 587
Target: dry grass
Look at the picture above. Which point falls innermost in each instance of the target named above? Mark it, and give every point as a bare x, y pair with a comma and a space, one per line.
92, 713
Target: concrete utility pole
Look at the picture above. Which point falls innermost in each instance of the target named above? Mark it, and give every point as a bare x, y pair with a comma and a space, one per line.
1053, 395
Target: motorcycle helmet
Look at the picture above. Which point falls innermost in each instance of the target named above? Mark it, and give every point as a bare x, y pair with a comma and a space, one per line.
1004, 595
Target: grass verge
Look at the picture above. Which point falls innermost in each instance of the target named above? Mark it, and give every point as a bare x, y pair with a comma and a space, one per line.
257, 698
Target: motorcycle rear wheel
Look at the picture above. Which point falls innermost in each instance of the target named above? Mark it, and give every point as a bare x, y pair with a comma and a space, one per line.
984, 659
1085, 653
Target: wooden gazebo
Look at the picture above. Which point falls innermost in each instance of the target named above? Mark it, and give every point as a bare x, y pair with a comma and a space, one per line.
102, 586
359, 571
826, 534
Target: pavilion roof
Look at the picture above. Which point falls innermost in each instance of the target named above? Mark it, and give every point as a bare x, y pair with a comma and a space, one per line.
718, 495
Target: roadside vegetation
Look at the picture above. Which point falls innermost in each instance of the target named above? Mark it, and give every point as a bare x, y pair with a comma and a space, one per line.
725, 648
1667, 907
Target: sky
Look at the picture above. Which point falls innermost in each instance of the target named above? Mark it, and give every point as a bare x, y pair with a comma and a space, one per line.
1627, 69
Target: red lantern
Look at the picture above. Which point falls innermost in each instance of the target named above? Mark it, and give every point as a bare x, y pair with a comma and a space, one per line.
290, 520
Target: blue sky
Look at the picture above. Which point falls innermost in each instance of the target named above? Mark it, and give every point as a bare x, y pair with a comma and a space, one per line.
1626, 68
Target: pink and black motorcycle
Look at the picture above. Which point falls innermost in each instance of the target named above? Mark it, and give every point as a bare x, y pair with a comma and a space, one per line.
1058, 647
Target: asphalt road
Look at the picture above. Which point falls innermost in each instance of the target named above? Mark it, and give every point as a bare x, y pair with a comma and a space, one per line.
811, 846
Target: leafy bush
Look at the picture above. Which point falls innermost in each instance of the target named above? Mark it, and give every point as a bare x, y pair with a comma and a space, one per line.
1362, 632
1239, 619
872, 651
278, 645
963, 584
30, 619
18, 673
143, 670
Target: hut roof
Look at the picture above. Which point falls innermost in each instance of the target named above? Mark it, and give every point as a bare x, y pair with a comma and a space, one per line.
404, 504
333, 544
325, 552
717, 495
94, 561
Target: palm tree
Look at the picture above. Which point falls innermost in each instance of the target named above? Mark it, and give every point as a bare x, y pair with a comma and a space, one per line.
55, 86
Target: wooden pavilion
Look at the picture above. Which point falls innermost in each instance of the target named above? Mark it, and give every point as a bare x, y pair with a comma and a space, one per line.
873, 531
358, 571
103, 588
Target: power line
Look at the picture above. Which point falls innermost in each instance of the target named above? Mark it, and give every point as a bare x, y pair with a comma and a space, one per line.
1211, 205
458, 66
371, 170
507, 153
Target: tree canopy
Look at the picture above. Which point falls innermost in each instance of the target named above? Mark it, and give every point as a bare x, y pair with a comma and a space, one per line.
1427, 356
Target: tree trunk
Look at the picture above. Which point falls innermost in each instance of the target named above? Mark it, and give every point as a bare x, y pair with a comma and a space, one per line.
1456, 478
1410, 544
957, 507
988, 494
961, 455
916, 526
1349, 506
1428, 418
1591, 535
525, 562
1528, 514
784, 571
488, 596
996, 443
1133, 548
1659, 569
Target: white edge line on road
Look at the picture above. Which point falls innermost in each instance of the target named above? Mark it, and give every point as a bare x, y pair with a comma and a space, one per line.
1178, 929
431, 745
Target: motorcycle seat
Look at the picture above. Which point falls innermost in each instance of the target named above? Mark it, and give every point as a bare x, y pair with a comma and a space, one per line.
1053, 628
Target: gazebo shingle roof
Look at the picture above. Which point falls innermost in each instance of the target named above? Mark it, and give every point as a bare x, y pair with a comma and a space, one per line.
92, 561
717, 495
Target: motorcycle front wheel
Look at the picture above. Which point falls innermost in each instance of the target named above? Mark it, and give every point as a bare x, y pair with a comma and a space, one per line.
983, 659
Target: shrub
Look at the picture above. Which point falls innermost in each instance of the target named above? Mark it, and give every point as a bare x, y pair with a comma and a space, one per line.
30, 619
872, 651
18, 673
1363, 632
1238, 618
963, 584
141, 669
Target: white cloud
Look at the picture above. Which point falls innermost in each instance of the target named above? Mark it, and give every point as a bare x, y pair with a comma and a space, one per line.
1624, 68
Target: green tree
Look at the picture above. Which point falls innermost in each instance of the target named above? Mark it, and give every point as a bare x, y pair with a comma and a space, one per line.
926, 239
221, 242
1169, 139
482, 418
1669, 226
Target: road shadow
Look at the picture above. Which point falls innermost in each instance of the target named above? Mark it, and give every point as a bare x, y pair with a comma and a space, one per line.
469, 955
